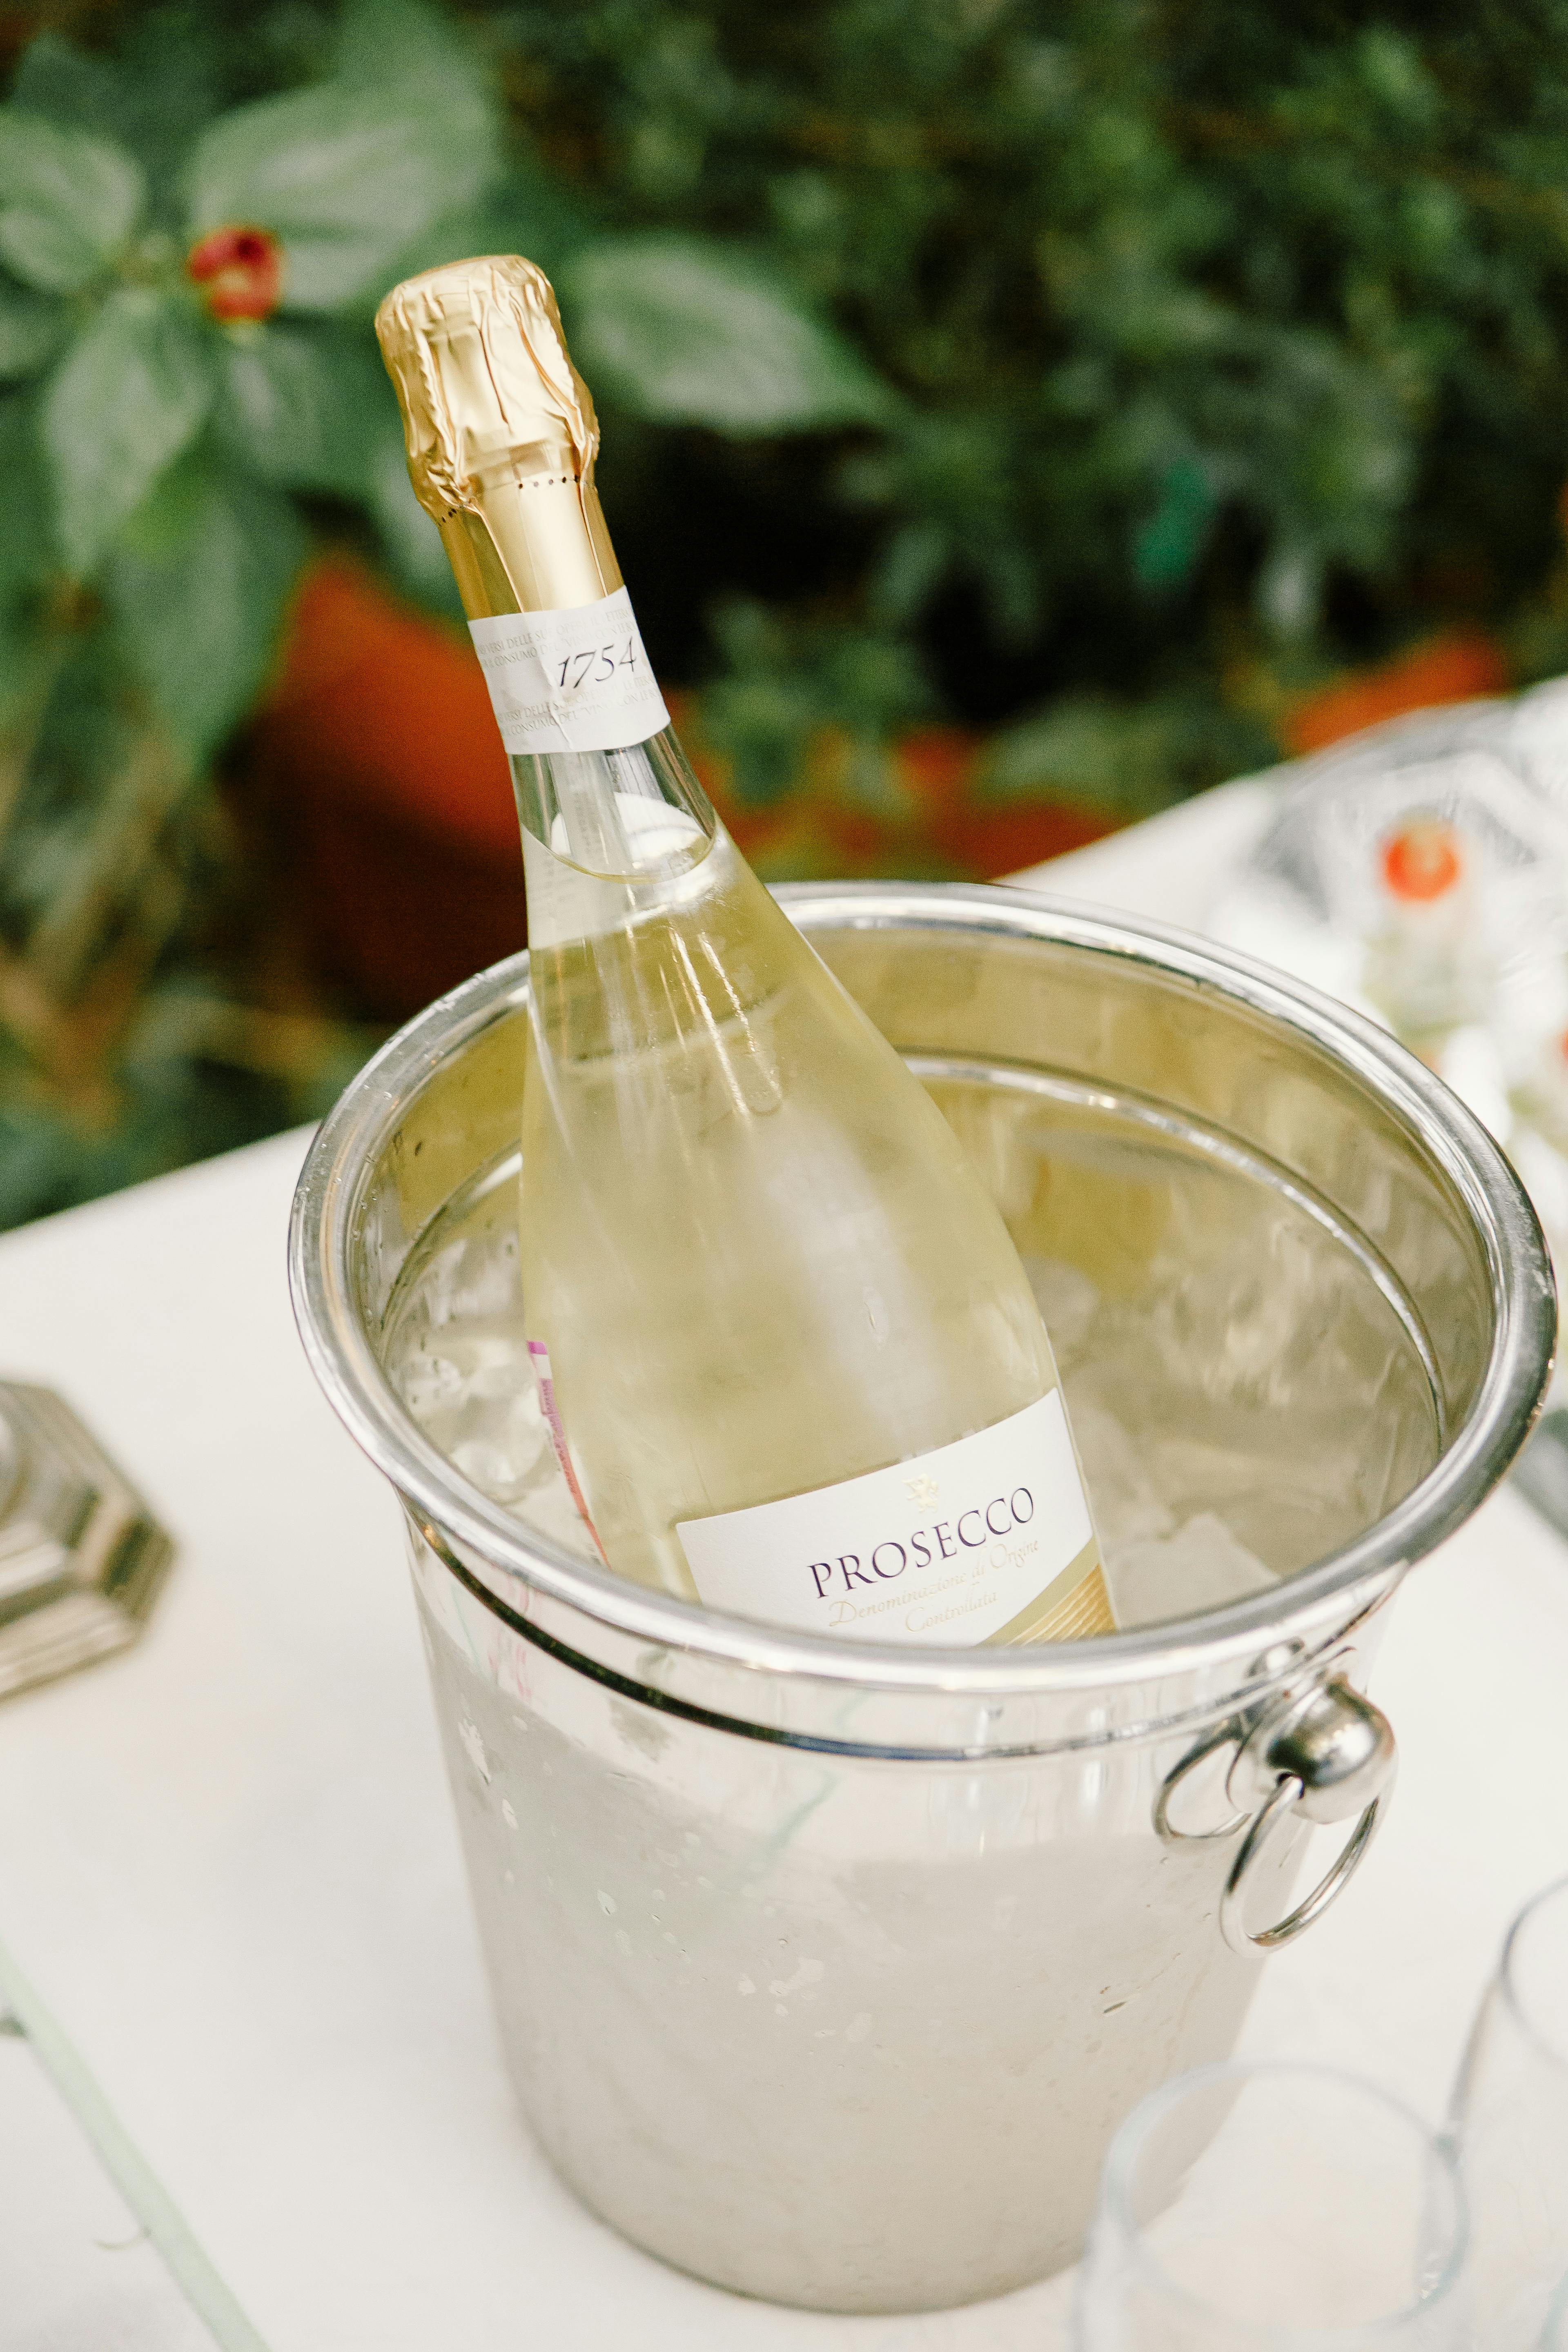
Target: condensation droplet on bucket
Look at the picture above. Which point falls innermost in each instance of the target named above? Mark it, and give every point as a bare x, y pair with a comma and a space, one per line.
608, 1904
858, 2027
508, 1816
474, 1746
745, 1985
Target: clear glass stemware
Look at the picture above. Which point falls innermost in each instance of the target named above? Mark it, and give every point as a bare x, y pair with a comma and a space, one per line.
1510, 2122
1275, 2208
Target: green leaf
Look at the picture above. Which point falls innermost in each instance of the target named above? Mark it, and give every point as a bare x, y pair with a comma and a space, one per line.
349, 174
67, 202
24, 516
304, 407
74, 87
526, 211
26, 554
42, 250
1168, 545
158, 90
29, 329
405, 46
125, 400
25, 667
689, 333
198, 589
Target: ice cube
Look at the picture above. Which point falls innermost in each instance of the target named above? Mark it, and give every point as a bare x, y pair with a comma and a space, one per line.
1202, 1566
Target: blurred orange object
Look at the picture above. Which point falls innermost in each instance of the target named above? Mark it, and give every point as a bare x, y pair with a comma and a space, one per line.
397, 703
1422, 861
1457, 666
981, 838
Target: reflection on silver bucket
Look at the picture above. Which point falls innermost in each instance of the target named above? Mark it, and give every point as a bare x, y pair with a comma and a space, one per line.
825, 1970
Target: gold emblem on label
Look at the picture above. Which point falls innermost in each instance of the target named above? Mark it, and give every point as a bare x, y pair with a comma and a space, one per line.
924, 1489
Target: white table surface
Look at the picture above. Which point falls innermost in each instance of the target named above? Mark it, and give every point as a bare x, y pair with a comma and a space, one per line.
232, 1916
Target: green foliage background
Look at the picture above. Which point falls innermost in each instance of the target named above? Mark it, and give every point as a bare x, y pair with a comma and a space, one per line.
1098, 375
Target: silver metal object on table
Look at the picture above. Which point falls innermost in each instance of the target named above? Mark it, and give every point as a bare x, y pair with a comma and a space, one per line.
825, 1970
82, 1559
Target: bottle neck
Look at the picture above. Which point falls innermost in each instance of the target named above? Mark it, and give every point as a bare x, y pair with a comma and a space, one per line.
613, 831
535, 543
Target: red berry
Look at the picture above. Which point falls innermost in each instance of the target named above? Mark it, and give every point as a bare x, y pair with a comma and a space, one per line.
241, 271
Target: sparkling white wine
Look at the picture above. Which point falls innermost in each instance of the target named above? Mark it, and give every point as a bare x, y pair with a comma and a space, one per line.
792, 1361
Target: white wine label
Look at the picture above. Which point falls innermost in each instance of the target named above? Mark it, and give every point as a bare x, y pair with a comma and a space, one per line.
988, 1536
572, 681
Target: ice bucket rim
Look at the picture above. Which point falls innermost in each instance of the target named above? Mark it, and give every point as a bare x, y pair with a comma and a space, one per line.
349, 1139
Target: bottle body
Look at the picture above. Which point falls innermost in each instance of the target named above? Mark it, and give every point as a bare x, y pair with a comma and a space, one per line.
760, 1264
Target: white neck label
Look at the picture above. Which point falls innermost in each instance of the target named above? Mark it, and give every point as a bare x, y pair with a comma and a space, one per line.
953, 1547
572, 681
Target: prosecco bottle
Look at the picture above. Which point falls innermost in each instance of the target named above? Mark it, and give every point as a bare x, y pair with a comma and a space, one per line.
792, 1366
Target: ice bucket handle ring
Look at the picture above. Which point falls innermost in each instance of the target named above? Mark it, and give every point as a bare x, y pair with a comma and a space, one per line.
1321, 1751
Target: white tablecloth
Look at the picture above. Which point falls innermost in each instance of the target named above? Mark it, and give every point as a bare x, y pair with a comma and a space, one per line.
231, 1908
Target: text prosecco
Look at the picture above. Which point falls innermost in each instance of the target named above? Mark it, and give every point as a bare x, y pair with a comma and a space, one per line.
889, 1558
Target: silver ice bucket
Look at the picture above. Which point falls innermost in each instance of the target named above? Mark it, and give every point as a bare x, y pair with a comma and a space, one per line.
826, 1970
